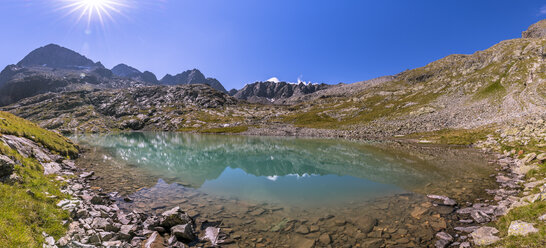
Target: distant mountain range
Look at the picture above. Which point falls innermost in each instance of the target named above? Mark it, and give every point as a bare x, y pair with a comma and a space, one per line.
275, 92
53, 68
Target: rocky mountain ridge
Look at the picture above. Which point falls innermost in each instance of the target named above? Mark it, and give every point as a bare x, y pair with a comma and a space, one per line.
271, 92
53, 68
504, 82
193, 76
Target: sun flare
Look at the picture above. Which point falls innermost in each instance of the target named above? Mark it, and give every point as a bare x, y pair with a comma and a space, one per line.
89, 10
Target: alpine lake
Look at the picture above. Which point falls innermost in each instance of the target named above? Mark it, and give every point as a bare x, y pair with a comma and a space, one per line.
291, 192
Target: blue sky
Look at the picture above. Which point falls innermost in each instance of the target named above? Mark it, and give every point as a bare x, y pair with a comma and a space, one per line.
240, 42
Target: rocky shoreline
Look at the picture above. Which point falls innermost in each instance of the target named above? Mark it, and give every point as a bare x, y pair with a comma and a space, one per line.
97, 220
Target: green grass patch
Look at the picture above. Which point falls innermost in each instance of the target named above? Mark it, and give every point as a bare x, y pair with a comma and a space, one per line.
13, 125
493, 89
23, 215
529, 213
235, 129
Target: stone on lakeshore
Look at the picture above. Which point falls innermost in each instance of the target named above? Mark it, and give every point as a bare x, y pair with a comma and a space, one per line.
174, 217
183, 232
153, 241
442, 243
87, 174
541, 157
485, 235
444, 235
479, 216
444, 200
212, 234
126, 232
464, 245
521, 228
51, 168
112, 244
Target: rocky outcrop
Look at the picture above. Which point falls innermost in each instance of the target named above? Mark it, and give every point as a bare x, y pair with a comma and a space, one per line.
192, 77
537, 30
276, 92
146, 107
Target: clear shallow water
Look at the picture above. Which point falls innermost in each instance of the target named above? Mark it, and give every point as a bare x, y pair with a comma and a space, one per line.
291, 171
263, 191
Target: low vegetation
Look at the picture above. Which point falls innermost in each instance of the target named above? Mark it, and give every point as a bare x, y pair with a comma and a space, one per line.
11, 124
28, 206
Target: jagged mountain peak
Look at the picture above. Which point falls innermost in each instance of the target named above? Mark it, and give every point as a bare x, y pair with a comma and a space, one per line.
123, 70
55, 56
193, 76
537, 30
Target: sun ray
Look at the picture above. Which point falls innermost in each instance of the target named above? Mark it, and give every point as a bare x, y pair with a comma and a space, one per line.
99, 10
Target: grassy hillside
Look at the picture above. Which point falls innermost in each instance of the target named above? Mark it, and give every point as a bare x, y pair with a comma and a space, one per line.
28, 206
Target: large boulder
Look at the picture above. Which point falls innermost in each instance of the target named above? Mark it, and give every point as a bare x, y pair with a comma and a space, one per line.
485, 235
174, 217
6, 166
521, 228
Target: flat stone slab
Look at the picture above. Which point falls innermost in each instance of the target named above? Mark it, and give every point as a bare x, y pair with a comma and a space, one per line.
521, 228
485, 235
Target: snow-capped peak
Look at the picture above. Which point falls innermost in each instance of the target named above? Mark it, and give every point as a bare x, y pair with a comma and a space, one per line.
274, 80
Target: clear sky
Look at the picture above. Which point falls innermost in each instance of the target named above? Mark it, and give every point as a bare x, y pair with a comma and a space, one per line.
242, 41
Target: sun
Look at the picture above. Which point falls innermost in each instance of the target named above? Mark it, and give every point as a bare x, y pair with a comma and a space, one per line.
90, 10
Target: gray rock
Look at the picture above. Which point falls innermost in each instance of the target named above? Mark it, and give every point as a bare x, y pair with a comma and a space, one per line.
444, 200
112, 244
541, 157
51, 168
6, 166
213, 234
485, 235
174, 217
479, 216
183, 232
444, 235
126, 232
521, 228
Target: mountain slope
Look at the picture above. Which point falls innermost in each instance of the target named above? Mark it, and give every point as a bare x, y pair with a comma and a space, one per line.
135, 108
502, 83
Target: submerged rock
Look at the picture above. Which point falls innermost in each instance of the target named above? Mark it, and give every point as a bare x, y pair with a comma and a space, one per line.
174, 217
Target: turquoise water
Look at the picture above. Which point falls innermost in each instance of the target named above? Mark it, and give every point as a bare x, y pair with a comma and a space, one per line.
279, 169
